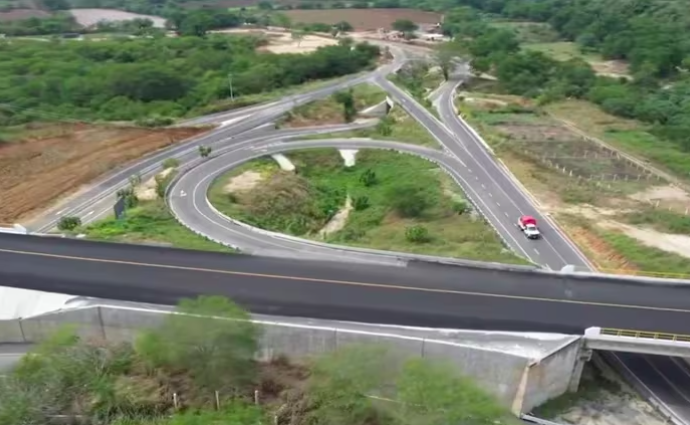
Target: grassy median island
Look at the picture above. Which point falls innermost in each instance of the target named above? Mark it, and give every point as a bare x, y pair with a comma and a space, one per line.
398, 126
149, 223
387, 201
342, 107
148, 219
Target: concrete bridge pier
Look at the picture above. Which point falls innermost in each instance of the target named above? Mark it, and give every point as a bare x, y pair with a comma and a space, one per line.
584, 356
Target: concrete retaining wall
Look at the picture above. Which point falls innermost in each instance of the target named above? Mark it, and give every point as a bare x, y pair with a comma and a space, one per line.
551, 375
499, 373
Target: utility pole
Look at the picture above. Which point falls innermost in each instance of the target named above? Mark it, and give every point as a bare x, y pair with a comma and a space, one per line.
232, 94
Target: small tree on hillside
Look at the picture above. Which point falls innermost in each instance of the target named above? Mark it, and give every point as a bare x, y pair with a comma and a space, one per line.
409, 200
213, 339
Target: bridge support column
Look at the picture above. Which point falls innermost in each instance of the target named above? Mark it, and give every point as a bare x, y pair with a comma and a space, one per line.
584, 356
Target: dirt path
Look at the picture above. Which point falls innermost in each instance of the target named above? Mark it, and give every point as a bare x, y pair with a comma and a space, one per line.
338, 221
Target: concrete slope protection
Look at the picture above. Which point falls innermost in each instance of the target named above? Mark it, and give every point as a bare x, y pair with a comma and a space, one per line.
665, 380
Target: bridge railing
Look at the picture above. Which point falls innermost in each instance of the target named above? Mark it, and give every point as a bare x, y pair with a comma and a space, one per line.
662, 336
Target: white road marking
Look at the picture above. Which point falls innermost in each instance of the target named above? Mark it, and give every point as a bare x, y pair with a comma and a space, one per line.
491, 195
59, 212
497, 204
535, 250
483, 187
88, 213
182, 193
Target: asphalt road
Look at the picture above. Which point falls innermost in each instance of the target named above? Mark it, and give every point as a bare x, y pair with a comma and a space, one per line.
415, 294
422, 295
666, 379
188, 198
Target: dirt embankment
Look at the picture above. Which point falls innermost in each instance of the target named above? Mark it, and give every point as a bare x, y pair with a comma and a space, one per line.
52, 162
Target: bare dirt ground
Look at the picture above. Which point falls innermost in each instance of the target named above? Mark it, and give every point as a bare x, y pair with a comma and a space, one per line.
18, 14
338, 221
244, 182
53, 161
364, 19
88, 17
147, 190
283, 41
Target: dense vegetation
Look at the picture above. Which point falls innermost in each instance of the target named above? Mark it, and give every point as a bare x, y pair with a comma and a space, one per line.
167, 77
198, 370
638, 35
398, 203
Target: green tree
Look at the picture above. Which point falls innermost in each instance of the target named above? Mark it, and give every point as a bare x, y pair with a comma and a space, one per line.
205, 151
347, 100
69, 223
409, 200
361, 203
212, 338
444, 55
368, 178
385, 126
405, 26
417, 234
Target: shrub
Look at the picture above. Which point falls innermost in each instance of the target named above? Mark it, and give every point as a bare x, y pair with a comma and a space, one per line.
417, 234
361, 203
69, 223
171, 163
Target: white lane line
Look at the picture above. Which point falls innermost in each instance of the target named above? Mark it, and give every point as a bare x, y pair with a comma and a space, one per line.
497, 204
665, 378
535, 250
88, 213
483, 186
506, 214
469, 169
59, 212
491, 195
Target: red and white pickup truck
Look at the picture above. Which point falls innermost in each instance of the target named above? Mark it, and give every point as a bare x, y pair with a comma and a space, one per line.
528, 225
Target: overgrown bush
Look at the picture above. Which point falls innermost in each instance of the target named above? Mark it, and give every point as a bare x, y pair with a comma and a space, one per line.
417, 234
69, 223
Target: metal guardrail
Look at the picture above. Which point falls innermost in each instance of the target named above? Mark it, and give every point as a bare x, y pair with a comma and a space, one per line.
644, 334
535, 420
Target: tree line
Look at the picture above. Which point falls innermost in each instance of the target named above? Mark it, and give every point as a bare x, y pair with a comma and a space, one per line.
654, 95
200, 367
123, 80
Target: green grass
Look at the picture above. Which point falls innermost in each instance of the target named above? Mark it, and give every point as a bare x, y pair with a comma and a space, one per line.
630, 136
404, 129
327, 110
562, 51
150, 222
660, 219
647, 258
254, 99
379, 226
529, 32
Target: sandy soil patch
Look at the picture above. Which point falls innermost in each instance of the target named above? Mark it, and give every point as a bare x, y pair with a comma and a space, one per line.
287, 44
338, 221
52, 162
89, 17
364, 19
667, 196
147, 190
244, 182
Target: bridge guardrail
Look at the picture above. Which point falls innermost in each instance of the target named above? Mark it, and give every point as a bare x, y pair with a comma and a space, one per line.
629, 333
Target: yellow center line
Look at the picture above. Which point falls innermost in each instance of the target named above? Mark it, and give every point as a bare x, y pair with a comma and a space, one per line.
351, 283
